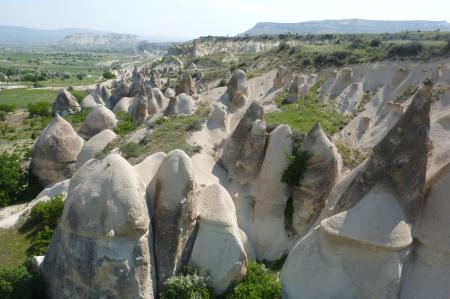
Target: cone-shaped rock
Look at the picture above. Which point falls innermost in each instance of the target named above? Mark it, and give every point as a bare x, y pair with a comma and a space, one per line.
99, 119
65, 103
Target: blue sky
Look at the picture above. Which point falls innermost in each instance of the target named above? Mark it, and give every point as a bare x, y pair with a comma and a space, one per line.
192, 18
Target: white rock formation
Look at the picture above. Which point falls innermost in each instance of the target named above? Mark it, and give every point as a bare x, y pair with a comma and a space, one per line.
183, 104
55, 152
95, 145
99, 119
65, 104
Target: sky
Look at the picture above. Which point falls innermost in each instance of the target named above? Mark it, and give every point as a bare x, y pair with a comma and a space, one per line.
193, 18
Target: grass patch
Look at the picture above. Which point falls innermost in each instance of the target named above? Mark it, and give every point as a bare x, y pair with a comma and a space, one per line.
13, 247
77, 119
125, 124
21, 97
351, 157
80, 94
188, 285
302, 115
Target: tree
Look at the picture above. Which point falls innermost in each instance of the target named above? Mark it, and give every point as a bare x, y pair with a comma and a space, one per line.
13, 178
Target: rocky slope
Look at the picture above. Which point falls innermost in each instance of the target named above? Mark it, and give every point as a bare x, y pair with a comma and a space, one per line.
99, 40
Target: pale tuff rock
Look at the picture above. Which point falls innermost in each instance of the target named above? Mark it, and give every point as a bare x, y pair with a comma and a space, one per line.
280, 78
349, 100
427, 274
55, 152
183, 104
89, 258
239, 100
237, 88
148, 168
360, 252
103, 92
218, 248
219, 118
344, 78
161, 100
91, 101
299, 88
186, 85
322, 172
95, 145
169, 93
174, 200
268, 232
155, 79
99, 119
65, 104
124, 105
252, 153
140, 109
235, 143
121, 91
399, 160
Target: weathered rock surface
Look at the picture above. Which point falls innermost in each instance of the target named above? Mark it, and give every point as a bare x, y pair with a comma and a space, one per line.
65, 104
124, 105
55, 152
91, 101
218, 248
235, 143
237, 88
322, 172
219, 118
169, 93
122, 90
268, 231
187, 85
101, 246
183, 104
99, 119
94, 146
299, 88
174, 200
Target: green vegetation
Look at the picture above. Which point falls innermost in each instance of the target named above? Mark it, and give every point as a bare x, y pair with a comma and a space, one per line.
304, 114
13, 247
13, 178
79, 94
109, 75
39, 109
77, 119
294, 172
15, 283
21, 97
130, 150
8, 107
125, 124
191, 284
351, 157
258, 283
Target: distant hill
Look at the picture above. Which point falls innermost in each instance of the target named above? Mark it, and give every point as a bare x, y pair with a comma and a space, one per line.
17, 36
347, 26
99, 40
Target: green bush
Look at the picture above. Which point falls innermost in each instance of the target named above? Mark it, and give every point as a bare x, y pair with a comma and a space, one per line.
295, 170
125, 124
79, 94
39, 109
8, 107
259, 283
47, 213
15, 283
109, 75
13, 178
130, 150
405, 49
191, 284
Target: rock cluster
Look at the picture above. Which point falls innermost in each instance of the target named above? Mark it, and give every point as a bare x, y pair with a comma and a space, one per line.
65, 104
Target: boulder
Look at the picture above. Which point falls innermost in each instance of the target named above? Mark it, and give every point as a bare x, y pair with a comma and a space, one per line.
140, 109
280, 78
103, 92
299, 88
65, 103
99, 119
121, 91
161, 100
94, 146
101, 245
173, 199
91, 101
186, 85
123, 105
148, 168
183, 104
55, 152
322, 172
219, 118
218, 247
169, 93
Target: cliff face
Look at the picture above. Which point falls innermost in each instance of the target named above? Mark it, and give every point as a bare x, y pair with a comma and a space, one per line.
92, 40
346, 26
234, 45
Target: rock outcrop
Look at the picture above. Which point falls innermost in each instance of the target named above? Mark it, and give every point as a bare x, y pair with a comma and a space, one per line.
65, 103
121, 91
183, 104
101, 245
55, 152
186, 85
364, 239
95, 145
99, 119
322, 172
218, 247
299, 88
237, 89
173, 199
